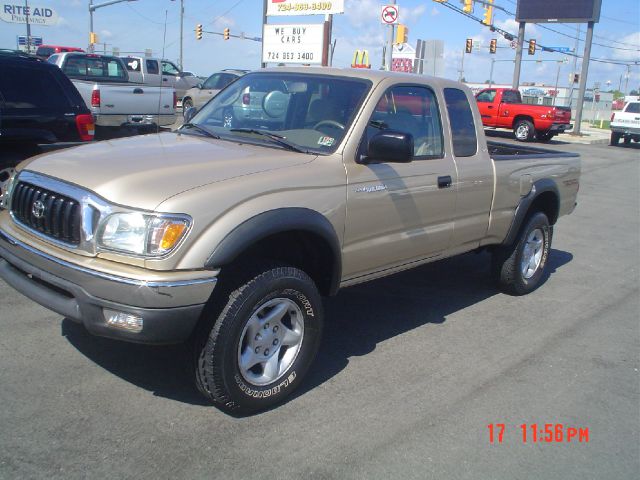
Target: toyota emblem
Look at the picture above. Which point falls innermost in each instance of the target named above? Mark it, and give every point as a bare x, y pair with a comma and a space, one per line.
38, 209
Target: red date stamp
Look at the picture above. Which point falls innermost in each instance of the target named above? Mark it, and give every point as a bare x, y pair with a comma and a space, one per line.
539, 433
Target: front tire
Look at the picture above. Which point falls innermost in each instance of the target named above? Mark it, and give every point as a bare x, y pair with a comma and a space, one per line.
262, 342
519, 268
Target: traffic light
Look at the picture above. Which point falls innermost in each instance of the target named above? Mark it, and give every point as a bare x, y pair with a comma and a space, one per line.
469, 45
576, 77
226, 33
487, 18
199, 31
493, 45
93, 37
532, 47
468, 6
402, 34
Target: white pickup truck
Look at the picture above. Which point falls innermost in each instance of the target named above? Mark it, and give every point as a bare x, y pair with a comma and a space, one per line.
626, 124
103, 82
156, 72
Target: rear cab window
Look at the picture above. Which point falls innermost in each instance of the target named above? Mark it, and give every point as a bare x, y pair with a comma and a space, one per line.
90, 68
463, 127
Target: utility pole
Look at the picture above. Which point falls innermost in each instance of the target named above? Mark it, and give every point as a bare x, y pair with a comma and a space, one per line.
583, 78
461, 71
557, 80
575, 64
26, 11
516, 68
264, 22
181, 31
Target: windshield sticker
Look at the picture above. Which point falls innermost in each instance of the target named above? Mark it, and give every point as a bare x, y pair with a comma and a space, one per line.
326, 141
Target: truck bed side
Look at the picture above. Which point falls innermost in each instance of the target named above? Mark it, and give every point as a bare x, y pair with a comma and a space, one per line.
520, 169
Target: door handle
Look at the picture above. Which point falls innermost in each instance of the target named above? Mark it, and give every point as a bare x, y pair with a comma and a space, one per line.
165, 79
138, 90
490, 107
444, 182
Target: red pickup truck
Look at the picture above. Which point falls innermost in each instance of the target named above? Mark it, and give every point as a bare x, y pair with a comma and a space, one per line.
503, 108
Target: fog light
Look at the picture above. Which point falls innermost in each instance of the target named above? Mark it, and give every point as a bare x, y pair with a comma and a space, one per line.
125, 321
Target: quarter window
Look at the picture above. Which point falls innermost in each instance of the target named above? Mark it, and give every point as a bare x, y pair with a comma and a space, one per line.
463, 128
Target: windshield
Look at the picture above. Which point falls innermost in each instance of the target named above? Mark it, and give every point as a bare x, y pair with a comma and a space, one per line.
309, 111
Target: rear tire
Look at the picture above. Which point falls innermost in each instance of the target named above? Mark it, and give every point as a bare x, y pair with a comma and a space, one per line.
187, 103
524, 130
256, 349
627, 140
615, 138
519, 268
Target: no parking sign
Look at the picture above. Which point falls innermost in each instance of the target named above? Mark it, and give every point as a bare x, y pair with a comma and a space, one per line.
390, 14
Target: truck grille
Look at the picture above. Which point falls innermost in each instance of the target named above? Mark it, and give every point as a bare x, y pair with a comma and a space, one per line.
47, 212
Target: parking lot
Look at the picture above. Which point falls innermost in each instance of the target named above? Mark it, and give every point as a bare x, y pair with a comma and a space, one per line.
412, 370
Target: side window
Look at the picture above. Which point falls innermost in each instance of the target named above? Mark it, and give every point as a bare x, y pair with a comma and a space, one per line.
509, 96
410, 109
486, 96
463, 128
169, 68
226, 79
212, 82
152, 67
27, 88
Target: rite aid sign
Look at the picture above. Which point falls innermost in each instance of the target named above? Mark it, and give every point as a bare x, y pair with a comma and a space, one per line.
43, 16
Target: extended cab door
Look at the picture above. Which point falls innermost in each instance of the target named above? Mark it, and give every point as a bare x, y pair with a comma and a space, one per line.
398, 213
506, 108
475, 170
488, 107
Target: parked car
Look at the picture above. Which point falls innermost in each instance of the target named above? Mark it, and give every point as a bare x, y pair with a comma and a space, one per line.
156, 72
503, 108
45, 51
205, 91
38, 104
227, 237
626, 124
103, 82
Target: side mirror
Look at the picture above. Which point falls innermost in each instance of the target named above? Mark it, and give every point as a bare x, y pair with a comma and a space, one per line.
199, 86
189, 114
389, 146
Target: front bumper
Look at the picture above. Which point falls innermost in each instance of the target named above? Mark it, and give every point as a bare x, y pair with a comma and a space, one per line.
169, 309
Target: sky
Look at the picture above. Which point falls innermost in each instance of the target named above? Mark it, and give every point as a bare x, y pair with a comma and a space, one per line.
139, 25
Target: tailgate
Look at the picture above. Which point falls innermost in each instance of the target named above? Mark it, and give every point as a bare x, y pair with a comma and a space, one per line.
562, 114
135, 99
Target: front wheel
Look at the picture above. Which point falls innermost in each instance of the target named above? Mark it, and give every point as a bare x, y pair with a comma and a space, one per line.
519, 268
261, 344
523, 130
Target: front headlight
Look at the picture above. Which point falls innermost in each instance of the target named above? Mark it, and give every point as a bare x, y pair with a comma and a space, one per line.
141, 233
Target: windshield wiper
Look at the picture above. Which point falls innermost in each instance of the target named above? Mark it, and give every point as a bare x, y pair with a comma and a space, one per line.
200, 129
278, 139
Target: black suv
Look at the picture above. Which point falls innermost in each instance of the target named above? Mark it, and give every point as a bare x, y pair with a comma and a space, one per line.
39, 104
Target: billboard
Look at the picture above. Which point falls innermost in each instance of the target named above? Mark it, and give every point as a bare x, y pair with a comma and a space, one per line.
303, 7
293, 44
40, 16
560, 11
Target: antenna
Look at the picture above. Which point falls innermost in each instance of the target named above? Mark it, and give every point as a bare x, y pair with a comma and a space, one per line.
164, 42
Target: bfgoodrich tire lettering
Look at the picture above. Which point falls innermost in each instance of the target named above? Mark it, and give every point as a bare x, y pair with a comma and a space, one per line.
519, 268
252, 307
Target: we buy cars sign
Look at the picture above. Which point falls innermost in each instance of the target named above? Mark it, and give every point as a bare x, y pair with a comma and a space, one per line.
293, 44
304, 7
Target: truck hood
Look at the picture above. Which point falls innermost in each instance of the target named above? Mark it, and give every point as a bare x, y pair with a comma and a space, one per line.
144, 171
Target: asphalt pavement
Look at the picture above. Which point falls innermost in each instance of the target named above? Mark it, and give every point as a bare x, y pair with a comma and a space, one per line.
412, 370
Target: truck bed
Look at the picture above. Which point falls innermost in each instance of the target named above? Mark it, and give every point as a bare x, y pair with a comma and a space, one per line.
507, 151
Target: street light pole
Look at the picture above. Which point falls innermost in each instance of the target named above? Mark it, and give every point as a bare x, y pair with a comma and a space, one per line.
181, 30
26, 11
93, 8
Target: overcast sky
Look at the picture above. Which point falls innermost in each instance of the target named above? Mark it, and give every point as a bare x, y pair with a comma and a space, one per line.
138, 25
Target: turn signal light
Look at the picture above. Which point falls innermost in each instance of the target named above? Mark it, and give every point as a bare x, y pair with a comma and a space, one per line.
123, 321
172, 234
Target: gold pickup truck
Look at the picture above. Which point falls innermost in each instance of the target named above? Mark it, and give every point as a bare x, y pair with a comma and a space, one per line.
227, 233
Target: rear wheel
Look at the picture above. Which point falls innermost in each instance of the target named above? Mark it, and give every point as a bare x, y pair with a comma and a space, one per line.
519, 268
615, 138
523, 130
627, 140
187, 103
258, 347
